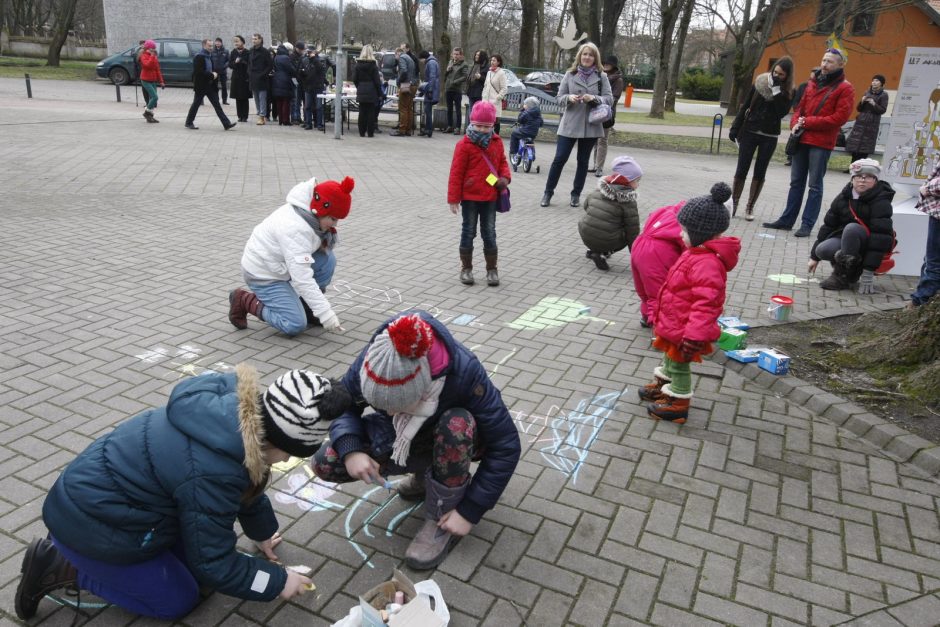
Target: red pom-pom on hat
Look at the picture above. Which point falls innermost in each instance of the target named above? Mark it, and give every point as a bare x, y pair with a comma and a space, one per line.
411, 336
332, 199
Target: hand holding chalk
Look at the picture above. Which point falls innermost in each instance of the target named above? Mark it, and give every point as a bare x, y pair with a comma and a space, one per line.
296, 585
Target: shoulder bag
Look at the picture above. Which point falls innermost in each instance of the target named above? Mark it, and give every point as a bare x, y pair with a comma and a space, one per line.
886, 262
793, 142
502, 199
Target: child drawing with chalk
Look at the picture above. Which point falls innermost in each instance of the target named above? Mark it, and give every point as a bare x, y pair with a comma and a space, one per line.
685, 314
611, 221
434, 411
288, 261
146, 514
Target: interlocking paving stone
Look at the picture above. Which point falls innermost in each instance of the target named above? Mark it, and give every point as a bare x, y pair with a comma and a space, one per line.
766, 508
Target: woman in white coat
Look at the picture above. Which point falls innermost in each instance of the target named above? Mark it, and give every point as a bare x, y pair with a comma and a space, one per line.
584, 87
495, 87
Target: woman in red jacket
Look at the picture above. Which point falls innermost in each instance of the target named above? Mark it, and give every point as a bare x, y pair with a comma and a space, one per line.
478, 172
685, 316
150, 76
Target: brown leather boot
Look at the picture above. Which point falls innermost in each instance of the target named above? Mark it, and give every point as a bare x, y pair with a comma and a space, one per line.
413, 488
753, 194
671, 406
652, 392
466, 266
241, 302
492, 275
431, 544
737, 189
44, 570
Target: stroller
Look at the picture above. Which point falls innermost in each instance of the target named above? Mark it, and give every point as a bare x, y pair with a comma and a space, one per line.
525, 155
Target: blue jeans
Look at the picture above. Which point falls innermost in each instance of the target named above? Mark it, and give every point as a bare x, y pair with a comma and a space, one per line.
485, 212
930, 272
162, 587
261, 103
428, 115
515, 137
283, 308
562, 151
808, 162
296, 103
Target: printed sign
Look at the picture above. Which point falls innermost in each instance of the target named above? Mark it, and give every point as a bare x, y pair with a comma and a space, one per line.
912, 148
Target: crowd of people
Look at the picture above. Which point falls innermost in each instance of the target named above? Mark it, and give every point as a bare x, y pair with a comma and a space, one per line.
146, 514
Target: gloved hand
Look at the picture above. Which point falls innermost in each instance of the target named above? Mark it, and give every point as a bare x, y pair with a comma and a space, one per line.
733, 135
501, 183
866, 283
691, 348
331, 322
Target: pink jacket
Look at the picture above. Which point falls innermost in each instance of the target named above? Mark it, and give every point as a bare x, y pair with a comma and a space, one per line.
693, 296
654, 251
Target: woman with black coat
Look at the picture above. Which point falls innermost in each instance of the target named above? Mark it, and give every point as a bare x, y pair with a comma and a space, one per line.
857, 230
477, 77
260, 65
282, 84
864, 134
756, 128
368, 83
241, 86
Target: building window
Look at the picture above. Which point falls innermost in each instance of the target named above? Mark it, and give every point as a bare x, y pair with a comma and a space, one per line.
863, 21
829, 11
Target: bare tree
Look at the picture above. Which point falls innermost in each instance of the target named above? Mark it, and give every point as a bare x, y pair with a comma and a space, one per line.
668, 13
530, 18
678, 50
409, 12
64, 15
598, 18
465, 26
290, 21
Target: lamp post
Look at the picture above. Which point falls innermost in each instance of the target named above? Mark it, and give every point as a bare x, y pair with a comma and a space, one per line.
338, 79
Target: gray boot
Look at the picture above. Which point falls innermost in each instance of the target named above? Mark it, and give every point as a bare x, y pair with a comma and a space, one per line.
431, 544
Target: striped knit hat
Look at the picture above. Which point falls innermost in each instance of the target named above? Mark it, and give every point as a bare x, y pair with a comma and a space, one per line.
395, 372
298, 408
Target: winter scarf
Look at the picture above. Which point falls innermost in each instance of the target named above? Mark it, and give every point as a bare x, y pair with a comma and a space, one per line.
407, 425
585, 72
832, 77
329, 238
479, 138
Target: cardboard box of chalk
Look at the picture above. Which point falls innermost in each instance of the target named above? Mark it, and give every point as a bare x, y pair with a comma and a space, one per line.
773, 361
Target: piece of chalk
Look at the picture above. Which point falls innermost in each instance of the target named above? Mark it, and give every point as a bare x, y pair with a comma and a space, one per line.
584, 311
310, 586
300, 569
399, 597
382, 481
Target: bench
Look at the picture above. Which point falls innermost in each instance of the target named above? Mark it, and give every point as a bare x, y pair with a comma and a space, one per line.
547, 103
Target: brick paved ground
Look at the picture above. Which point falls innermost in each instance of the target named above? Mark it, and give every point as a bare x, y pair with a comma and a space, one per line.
120, 241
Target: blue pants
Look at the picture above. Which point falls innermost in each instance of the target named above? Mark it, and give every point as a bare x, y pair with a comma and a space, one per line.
562, 151
930, 272
296, 103
485, 213
428, 115
809, 162
261, 103
283, 308
313, 109
162, 587
514, 139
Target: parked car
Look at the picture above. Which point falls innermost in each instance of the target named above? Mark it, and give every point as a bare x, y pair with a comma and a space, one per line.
388, 64
512, 81
176, 62
545, 81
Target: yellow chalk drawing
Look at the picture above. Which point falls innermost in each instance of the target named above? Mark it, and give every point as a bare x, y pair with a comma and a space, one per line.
552, 311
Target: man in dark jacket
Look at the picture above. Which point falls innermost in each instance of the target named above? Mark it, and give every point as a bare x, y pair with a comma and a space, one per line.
205, 86
297, 56
313, 70
260, 66
432, 90
455, 83
823, 109
435, 410
220, 66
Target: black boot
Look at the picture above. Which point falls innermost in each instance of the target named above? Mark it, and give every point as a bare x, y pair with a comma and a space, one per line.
546, 199
736, 190
843, 268
466, 266
43, 571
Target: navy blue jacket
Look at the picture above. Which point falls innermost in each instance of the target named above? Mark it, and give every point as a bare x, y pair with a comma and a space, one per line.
529, 122
468, 387
176, 474
219, 59
284, 71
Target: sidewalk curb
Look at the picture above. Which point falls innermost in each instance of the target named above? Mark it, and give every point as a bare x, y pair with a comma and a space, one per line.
897, 443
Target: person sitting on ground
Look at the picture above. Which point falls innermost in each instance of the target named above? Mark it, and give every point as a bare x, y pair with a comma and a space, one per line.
527, 127
611, 221
434, 411
145, 515
657, 247
857, 230
685, 315
289, 261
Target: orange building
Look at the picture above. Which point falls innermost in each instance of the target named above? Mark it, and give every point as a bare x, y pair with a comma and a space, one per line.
874, 41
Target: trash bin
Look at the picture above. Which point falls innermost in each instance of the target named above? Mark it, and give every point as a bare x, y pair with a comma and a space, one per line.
440, 116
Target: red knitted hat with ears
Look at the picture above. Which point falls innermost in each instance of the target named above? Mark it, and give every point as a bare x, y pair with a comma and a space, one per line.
332, 199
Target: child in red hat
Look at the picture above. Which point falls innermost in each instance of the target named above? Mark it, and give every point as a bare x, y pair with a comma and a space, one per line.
478, 172
289, 261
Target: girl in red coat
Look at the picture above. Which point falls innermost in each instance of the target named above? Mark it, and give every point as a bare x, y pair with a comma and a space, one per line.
150, 77
652, 254
478, 172
685, 316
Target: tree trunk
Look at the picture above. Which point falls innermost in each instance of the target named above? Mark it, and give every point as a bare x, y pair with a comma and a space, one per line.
527, 30
677, 55
669, 12
540, 37
290, 21
3, 14
612, 10
409, 13
556, 51
440, 37
465, 28
63, 24
749, 47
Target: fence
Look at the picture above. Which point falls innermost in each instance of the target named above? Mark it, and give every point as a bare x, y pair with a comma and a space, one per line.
38, 47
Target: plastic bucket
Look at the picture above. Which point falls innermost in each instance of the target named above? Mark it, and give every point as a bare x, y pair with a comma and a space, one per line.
780, 308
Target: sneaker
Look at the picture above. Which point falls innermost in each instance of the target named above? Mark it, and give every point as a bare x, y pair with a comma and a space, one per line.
803, 231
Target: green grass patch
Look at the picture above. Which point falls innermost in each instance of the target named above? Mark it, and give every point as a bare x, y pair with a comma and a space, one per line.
671, 119
16, 67
648, 95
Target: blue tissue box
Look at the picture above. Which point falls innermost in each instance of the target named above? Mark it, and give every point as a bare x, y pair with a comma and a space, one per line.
773, 361
744, 355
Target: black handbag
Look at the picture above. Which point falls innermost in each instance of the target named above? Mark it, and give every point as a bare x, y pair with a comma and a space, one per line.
793, 142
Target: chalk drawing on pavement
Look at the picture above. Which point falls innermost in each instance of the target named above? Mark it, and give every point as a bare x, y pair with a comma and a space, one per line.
346, 297
553, 311
790, 279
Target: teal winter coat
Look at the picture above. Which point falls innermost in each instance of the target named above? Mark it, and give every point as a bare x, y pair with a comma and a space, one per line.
176, 474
